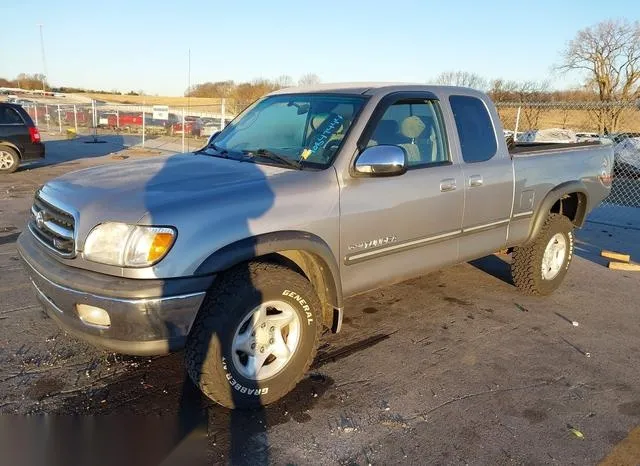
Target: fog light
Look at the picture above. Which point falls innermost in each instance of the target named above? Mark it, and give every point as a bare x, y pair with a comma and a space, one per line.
92, 315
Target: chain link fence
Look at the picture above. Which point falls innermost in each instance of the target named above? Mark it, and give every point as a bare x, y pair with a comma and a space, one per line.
180, 129
174, 129
616, 123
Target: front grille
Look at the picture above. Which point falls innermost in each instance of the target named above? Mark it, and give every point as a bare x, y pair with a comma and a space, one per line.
53, 227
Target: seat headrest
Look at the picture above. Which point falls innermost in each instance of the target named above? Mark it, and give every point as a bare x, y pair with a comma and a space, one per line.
412, 127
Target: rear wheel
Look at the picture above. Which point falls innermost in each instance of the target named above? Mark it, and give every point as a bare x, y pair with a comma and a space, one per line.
9, 160
540, 267
255, 335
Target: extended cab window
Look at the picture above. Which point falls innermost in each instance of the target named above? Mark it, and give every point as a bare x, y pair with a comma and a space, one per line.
9, 116
416, 126
475, 129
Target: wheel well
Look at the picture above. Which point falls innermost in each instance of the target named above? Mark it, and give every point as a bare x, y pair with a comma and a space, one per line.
314, 269
11, 146
573, 206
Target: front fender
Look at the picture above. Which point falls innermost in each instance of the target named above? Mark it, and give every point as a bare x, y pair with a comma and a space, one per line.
261, 245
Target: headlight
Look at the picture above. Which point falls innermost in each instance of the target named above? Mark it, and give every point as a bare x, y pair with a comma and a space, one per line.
128, 245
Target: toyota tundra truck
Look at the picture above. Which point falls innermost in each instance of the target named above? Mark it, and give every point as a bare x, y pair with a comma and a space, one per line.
242, 253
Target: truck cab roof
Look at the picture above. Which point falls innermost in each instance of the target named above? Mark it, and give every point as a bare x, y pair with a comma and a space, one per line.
374, 88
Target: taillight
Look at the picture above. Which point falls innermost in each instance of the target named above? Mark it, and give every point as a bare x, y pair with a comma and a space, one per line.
606, 172
35, 134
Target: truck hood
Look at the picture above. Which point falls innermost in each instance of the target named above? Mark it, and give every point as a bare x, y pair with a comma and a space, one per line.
129, 191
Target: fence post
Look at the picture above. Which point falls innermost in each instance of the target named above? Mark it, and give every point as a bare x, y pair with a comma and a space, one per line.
47, 117
515, 131
59, 119
223, 115
184, 130
75, 118
143, 128
35, 107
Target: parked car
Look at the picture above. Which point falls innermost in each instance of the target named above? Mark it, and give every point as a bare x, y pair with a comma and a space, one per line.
245, 250
193, 126
19, 138
588, 137
626, 147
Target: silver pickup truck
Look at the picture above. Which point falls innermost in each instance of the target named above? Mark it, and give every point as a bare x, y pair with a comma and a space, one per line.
243, 252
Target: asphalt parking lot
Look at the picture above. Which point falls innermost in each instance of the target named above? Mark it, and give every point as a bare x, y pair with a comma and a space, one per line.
455, 367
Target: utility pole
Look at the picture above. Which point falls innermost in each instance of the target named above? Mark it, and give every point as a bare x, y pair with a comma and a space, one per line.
44, 59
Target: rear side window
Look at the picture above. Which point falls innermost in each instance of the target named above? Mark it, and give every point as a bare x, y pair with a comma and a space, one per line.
9, 116
475, 129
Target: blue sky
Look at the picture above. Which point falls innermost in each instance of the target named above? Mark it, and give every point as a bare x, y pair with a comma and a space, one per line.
142, 44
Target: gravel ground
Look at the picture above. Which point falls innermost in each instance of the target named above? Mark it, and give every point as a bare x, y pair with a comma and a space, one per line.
455, 367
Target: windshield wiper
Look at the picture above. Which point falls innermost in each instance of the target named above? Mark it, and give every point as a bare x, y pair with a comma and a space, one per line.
220, 151
267, 154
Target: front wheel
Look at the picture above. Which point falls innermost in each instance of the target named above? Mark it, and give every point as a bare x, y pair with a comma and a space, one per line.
255, 335
539, 268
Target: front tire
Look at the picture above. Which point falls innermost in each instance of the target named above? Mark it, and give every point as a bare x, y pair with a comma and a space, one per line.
255, 335
540, 268
9, 160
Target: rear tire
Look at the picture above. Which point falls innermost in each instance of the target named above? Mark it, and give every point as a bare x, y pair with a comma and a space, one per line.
9, 160
540, 268
228, 339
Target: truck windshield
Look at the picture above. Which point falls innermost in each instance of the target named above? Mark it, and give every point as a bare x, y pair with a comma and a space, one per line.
304, 129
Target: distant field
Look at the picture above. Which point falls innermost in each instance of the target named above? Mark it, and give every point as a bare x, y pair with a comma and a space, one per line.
577, 120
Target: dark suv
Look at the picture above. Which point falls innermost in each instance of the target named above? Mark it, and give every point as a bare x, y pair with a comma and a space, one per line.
19, 138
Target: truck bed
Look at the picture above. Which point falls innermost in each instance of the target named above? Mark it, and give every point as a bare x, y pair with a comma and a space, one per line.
524, 148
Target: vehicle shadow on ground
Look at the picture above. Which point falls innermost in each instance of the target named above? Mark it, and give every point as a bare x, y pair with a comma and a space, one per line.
82, 147
495, 266
191, 426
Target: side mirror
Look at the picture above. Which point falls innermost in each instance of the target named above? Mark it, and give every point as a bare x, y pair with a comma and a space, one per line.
383, 160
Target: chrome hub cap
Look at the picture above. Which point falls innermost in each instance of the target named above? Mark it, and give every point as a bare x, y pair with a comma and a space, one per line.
6, 160
554, 256
266, 340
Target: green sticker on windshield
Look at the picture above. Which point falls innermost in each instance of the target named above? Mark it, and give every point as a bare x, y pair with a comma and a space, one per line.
323, 134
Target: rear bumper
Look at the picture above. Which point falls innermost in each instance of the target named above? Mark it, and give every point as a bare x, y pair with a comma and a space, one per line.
148, 317
33, 151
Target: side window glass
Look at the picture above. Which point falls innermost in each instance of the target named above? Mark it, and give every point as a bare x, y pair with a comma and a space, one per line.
9, 116
416, 126
475, 129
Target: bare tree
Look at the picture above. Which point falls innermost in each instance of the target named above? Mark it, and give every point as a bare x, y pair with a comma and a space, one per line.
608, 54
309, 79
531, 94
283, 81
462, 78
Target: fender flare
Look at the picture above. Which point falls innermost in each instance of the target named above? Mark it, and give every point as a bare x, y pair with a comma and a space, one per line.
12, 146
554, 196
269, 243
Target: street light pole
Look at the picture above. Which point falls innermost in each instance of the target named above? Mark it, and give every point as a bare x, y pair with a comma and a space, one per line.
44, 60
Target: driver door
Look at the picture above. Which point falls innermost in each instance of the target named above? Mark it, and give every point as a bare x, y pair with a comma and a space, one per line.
398, 227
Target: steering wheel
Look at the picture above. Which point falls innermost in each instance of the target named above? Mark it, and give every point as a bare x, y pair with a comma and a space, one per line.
331, 148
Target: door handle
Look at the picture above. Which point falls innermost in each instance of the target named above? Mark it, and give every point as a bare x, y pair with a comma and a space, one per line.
475, 181
448, 184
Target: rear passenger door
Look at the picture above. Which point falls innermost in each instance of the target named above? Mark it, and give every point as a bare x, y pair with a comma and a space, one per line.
13, 128
488, 179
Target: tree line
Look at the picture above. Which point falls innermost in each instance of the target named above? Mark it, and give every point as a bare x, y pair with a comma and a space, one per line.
250, 90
